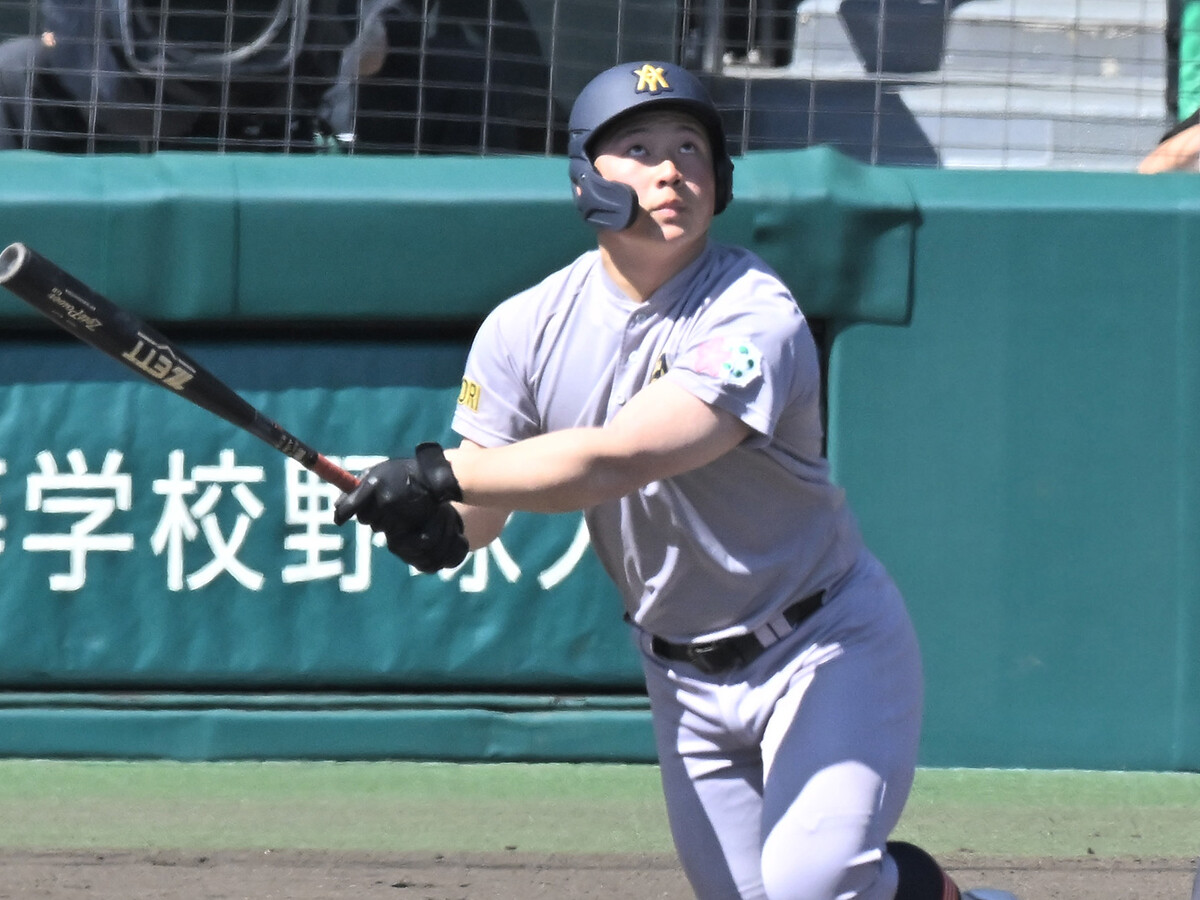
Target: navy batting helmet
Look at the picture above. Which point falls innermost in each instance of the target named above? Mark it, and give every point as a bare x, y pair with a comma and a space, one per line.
621, 91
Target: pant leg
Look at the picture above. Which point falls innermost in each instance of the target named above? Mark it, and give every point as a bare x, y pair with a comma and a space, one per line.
35, 113
843, 754
785, 783
712, 785
17, 59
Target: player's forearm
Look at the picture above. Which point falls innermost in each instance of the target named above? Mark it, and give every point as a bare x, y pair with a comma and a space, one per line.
1175, 154
557, 472
481, 524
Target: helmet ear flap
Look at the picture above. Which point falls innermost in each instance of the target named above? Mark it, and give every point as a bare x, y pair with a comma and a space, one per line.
724, 183
604, 204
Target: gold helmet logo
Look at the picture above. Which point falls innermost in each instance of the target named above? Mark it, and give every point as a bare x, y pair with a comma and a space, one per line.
650, 78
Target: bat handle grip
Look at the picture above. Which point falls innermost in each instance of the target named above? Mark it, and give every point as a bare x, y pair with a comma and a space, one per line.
335, 475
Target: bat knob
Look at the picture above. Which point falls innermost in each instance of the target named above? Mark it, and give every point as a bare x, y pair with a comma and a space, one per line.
11, 259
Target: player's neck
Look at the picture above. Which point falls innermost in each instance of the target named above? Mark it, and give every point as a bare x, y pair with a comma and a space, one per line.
640, 271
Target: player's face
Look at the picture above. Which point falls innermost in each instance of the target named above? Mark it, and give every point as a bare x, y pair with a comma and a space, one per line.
666, 158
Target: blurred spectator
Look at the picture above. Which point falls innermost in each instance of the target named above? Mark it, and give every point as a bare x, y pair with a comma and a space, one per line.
760, 33
453, 75
153, 74
1178, 151
24, 121
1183, 56
296, 75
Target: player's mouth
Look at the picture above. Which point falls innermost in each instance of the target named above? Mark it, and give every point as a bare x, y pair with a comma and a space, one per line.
671, 207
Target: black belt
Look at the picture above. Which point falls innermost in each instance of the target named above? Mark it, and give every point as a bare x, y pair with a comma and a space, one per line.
715, 657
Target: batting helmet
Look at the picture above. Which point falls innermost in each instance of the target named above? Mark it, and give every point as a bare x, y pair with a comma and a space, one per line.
622, 91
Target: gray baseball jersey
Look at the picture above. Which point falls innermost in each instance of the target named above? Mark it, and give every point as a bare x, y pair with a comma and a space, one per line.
718, 550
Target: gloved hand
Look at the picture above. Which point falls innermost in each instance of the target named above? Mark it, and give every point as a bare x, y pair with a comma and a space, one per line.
400, 494
439, 545
407, 499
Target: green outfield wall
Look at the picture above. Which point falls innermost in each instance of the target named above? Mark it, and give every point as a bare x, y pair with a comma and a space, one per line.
1013, 382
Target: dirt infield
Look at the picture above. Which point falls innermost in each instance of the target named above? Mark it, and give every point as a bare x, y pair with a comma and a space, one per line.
321, 875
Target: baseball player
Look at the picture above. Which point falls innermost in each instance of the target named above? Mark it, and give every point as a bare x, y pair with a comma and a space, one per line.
668, 386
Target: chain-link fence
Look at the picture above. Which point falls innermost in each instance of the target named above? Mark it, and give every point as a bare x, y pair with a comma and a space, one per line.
1066, 84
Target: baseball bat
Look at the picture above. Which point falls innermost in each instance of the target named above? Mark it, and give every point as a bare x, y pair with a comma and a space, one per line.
73, 306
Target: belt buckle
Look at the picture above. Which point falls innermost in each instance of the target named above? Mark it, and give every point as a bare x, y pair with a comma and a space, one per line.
708, 657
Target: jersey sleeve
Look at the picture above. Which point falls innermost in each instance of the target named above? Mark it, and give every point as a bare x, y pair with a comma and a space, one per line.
495, 403
751, 354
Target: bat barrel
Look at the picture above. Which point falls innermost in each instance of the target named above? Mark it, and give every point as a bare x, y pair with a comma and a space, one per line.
11, 260
92, 318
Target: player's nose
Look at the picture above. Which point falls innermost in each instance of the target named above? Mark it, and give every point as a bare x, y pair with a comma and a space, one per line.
667, 172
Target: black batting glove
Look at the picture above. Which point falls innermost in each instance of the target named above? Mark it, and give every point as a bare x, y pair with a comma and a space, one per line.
408, 501
440, 544
401, 495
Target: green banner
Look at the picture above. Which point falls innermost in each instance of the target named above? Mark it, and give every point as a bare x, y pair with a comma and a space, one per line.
145, 542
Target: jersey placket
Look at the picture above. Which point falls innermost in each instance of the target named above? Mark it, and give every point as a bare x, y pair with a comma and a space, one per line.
630, 372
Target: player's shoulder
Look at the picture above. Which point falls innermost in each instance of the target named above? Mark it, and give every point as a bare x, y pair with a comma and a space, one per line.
546, 298
741, 279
